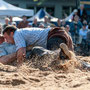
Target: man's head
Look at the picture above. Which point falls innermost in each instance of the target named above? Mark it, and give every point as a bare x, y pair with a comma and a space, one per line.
76, 18
7, 20
46, 19
81, 6
35, 21
24, 18
67, 28
84, 26
59, 21
8, 33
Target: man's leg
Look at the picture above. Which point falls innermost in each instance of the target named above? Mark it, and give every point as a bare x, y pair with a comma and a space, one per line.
54, 43
40, 51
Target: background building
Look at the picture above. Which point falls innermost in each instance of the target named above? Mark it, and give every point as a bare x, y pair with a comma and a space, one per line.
57, 8
87, 5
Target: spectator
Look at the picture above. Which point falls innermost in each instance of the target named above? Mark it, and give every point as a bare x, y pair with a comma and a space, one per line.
10, 22
14, 23
6, 22
35, 23
75, 13
46, 22
88, 40
83, 35
82, 13
68, 29
85, 23
29, 24
58, 24
63, 24
75, 26
23, 23
41, 25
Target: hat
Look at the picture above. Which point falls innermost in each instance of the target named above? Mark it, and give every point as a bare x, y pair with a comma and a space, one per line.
13, 23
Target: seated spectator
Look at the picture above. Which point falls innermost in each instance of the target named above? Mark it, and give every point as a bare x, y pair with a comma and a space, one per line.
6, 22
63, 23
75, 26
58, 24
41, 25
24, 23
35, 23
68, 29
10, 22
46, 22
14, 23
85, 23
83, 35
29, 24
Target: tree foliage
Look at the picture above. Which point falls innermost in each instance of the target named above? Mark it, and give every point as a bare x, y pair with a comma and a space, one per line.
39, 1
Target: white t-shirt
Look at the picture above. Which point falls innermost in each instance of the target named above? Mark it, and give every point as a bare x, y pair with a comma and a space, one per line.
29, 36
83, 33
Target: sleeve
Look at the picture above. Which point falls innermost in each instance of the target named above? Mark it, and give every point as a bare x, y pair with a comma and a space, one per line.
19, 41
80, 32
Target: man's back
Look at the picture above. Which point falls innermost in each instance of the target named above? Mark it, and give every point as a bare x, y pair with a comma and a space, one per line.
29, 36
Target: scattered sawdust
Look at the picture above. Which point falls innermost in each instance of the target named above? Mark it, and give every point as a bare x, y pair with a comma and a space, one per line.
45, 74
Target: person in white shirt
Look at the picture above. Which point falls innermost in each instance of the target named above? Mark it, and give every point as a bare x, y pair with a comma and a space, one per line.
82, 36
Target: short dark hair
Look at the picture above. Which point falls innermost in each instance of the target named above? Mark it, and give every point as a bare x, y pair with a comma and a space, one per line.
24, 16
10, 28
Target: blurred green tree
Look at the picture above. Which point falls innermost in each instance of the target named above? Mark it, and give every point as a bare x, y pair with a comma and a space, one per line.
39, 1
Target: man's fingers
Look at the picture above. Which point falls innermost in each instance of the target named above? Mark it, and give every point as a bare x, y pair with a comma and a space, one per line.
24, 55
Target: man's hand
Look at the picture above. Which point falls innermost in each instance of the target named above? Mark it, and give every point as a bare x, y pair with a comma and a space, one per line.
21, 54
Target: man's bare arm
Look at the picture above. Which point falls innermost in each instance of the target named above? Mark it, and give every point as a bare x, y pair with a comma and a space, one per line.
21, 54
8, 58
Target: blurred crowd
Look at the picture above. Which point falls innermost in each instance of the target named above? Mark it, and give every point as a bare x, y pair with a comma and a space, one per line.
78, 28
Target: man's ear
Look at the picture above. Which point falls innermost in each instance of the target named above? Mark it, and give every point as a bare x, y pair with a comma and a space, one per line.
12, 34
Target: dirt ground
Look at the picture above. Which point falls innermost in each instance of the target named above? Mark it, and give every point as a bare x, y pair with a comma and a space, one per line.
28, 77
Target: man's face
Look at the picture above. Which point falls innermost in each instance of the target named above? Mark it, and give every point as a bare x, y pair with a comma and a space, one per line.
24, 18
9, 38
82, 7
84, 27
